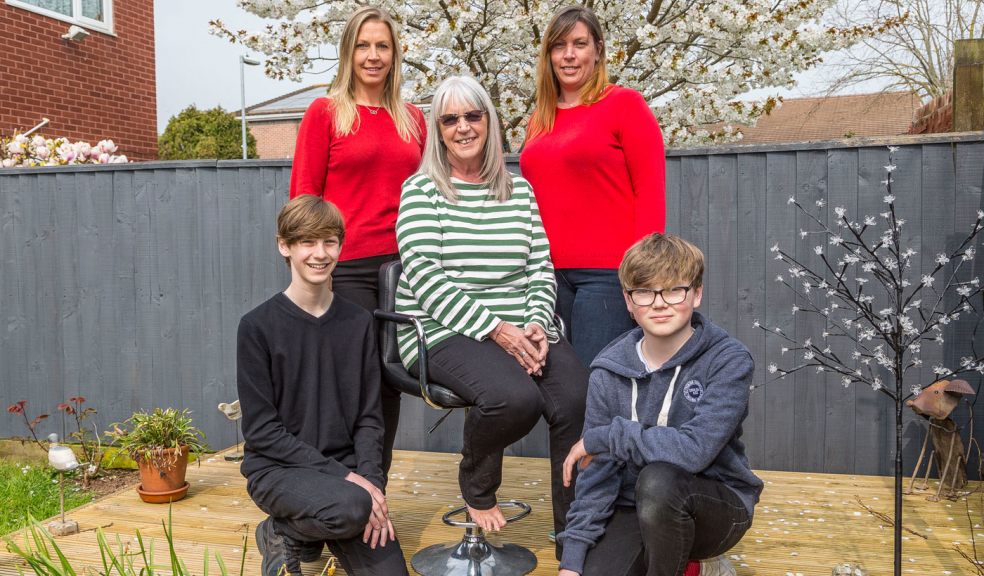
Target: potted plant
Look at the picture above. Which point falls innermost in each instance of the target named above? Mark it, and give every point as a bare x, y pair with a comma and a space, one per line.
160, 442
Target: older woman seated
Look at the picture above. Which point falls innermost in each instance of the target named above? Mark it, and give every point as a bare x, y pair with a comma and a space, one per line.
477, 272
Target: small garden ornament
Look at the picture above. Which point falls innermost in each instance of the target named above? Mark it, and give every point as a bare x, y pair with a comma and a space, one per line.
63, 459
936, 402
233, 413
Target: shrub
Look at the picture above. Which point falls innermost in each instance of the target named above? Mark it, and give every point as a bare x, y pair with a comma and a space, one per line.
212, 133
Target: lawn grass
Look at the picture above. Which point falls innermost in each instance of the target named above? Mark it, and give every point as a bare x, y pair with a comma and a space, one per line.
28, 488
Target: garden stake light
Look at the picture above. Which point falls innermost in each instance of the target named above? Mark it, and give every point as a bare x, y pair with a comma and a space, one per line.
63, 459
233, 413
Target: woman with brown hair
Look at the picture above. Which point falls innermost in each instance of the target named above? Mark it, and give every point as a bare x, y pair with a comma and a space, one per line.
594, 156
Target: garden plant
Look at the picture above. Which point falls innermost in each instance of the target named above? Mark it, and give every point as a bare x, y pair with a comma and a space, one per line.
160, 442
87, 440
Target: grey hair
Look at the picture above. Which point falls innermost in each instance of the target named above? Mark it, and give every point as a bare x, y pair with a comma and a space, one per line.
434, 163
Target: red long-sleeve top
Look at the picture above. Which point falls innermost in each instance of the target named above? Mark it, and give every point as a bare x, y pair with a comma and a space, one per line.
600, 179
361, 173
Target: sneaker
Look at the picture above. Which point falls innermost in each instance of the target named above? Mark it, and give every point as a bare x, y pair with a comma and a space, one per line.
552, 535
279, 557
719, 566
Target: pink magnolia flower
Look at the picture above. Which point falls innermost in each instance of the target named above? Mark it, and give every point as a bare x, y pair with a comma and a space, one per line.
42, 152
107, 146
104, 158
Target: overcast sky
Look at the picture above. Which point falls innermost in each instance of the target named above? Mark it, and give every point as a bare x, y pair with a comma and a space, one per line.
194, 67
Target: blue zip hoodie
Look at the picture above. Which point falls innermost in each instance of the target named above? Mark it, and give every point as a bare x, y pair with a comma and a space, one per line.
710, 376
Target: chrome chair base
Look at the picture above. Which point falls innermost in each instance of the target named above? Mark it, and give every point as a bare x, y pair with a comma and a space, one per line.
473, 556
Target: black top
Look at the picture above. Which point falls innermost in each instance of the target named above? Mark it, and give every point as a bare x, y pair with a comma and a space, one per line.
309, 389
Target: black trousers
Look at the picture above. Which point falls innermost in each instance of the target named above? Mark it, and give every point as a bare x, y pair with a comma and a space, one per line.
309, 506
507, 404
358, 281
678, 517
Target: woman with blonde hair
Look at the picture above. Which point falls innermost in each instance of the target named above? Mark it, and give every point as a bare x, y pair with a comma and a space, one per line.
477, 273
355, 148
594, 155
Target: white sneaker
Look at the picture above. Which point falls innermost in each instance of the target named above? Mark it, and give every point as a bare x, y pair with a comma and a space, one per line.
719, 566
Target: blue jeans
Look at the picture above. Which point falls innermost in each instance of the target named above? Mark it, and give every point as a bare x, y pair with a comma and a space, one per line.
590, 302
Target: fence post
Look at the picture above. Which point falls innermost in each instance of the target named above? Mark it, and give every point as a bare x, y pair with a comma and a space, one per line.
968, 85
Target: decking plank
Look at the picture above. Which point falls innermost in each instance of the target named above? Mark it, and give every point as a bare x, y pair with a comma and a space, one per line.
804, 525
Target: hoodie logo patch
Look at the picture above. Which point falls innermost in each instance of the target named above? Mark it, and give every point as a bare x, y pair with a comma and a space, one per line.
692, 391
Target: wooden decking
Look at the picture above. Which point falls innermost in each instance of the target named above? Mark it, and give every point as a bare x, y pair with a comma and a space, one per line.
804, 525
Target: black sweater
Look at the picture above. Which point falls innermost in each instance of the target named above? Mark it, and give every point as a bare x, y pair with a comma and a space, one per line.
309, 389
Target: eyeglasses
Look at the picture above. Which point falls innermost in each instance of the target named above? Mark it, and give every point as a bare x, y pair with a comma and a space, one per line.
472, 117
646, 296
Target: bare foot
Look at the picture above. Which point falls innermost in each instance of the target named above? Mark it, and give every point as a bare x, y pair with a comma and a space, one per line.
488, 520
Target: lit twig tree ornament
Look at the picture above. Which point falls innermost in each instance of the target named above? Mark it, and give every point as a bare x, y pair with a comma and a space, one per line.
868, 293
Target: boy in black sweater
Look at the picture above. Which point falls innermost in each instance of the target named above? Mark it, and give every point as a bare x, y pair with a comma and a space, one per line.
309, 384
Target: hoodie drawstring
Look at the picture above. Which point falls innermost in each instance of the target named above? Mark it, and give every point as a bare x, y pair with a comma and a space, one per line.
664, 410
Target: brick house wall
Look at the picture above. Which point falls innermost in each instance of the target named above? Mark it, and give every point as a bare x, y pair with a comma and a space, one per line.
275, 139
935, 116
102, 87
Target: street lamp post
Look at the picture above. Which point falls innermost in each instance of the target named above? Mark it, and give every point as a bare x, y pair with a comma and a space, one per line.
243, 62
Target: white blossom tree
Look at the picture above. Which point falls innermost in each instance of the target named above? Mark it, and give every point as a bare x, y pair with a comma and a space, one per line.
868, 292
689, 58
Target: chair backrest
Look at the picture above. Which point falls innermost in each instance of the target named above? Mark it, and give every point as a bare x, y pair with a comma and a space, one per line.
389, 276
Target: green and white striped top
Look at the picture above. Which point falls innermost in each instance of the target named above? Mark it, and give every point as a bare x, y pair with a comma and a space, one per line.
471, 264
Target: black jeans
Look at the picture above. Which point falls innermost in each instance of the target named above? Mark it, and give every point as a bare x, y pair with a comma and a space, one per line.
309, 506
507, 404
358, 281
678, 517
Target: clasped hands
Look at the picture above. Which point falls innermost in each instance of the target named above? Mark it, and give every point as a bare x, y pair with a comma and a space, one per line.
528, 347
379, 529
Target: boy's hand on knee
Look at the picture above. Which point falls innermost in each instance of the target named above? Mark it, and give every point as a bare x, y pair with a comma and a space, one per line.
578, 454
566, 572
379, 528
373, 536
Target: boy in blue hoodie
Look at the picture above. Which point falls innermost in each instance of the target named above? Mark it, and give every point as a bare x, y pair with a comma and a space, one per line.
664, 478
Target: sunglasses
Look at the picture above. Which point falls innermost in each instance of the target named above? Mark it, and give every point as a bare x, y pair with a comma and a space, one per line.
472, 117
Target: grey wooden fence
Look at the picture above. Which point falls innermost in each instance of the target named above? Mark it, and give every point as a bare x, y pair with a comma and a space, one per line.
125, 284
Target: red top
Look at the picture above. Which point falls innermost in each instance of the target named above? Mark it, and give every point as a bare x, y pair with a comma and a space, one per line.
361, 173
600, 179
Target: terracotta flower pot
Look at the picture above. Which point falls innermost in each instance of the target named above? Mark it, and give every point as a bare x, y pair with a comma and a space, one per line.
156, 484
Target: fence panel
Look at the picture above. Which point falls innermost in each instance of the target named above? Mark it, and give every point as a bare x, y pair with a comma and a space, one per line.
125, 284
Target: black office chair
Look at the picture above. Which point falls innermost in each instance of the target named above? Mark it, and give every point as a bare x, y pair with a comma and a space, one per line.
473, 555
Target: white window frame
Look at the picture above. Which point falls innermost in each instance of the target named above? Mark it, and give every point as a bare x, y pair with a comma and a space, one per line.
76, 17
